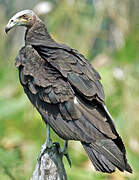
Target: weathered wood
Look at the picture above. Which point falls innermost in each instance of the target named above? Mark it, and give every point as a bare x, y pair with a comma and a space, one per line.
50, 165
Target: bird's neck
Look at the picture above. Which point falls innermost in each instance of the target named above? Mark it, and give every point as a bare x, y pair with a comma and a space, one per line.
38, 35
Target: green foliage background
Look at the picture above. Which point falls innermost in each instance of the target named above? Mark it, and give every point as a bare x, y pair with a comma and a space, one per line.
87, 27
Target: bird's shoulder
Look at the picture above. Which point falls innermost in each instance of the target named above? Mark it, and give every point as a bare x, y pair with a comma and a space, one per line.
40, 78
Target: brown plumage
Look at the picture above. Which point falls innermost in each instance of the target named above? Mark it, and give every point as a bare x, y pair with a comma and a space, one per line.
66, 90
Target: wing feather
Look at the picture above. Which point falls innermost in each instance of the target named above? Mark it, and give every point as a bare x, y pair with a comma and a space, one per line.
76, 69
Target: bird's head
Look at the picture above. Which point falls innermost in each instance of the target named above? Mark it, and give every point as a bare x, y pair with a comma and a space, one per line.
22, 18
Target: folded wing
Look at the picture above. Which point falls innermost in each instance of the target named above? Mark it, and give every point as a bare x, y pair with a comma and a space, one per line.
67, 92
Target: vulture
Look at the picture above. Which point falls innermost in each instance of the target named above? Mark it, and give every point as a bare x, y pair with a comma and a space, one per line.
67, 92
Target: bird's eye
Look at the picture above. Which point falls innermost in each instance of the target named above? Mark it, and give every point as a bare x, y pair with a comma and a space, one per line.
12, 20
25, 16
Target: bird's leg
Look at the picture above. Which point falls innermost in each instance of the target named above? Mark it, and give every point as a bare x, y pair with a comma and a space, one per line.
64, 151
48, 143
48, 139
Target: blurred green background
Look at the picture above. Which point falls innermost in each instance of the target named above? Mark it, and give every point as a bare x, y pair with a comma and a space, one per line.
107, 33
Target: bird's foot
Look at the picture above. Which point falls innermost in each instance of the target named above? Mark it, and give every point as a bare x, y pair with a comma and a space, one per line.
64, 151
47, 145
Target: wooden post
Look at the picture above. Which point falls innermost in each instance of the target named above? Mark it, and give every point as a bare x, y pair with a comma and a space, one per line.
50, 165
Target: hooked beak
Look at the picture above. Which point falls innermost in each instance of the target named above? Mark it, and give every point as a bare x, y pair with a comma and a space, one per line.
7, 29
10, 25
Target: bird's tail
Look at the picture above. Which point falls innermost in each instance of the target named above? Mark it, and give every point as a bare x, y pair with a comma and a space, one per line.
106, 156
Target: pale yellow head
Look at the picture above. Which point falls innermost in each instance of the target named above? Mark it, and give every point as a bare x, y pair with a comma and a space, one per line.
22, 18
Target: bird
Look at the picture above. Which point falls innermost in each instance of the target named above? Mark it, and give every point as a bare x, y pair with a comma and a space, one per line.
67, 92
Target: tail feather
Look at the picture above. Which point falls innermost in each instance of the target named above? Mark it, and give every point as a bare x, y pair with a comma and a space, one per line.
106, 159
118, 141
100, 162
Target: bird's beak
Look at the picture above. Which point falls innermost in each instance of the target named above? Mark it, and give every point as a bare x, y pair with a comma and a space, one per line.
7, 29
11, 24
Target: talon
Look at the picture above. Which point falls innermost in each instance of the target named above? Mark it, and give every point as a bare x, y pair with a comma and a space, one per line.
42, 152
64, 152
57, 145
68, 159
